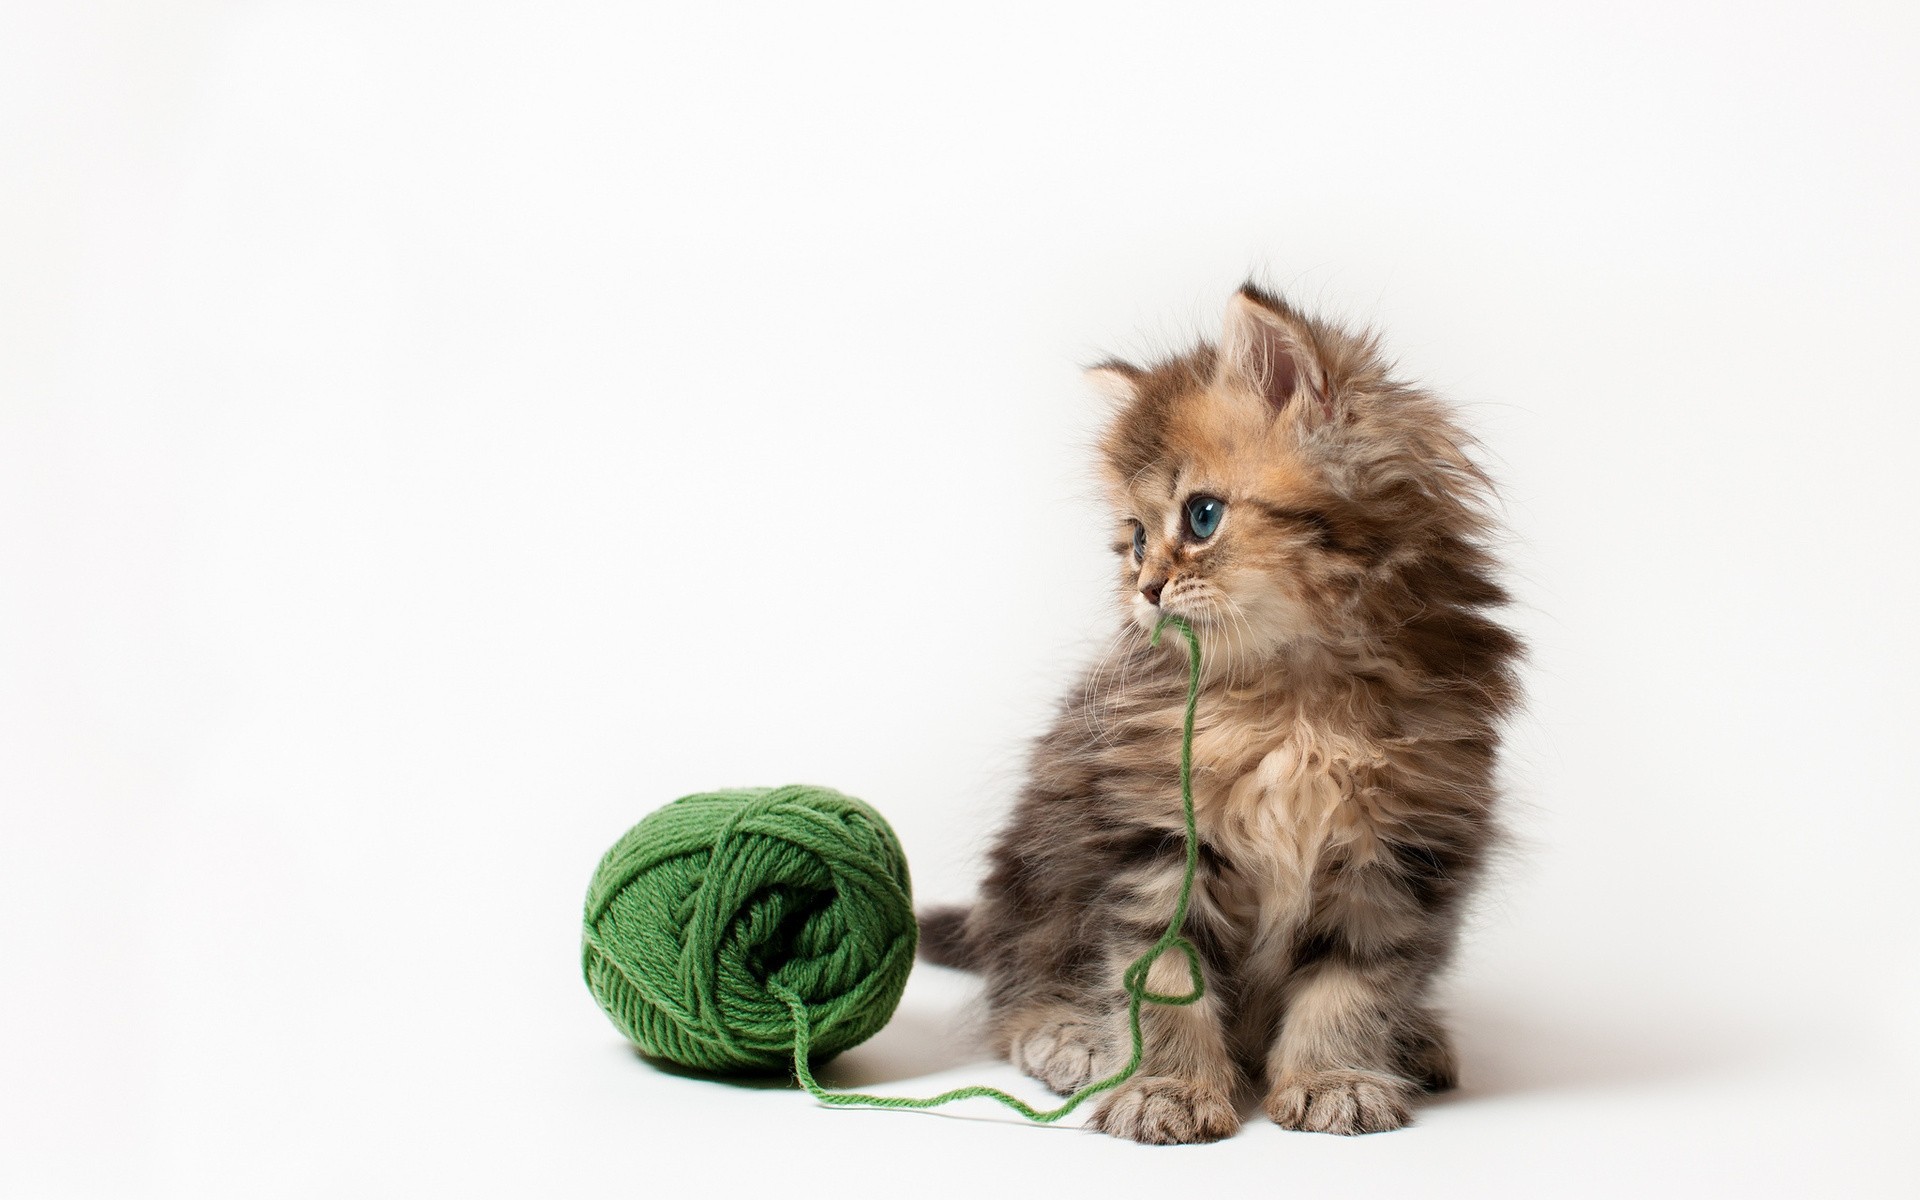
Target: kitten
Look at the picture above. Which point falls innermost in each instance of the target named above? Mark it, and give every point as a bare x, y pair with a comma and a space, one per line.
1321, 526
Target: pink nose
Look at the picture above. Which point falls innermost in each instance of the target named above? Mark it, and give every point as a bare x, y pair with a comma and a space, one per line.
1151, 590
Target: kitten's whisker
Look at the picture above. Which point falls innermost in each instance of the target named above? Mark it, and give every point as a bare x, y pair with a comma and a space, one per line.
1129, 662
1091, 696
1243, 653
1105, 685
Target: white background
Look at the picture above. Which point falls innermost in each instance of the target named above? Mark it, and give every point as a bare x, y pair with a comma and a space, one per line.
433, 435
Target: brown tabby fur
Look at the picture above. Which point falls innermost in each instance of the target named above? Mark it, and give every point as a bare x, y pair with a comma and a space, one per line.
1352, 700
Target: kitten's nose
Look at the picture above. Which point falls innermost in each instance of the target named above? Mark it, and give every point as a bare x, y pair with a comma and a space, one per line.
1151, 590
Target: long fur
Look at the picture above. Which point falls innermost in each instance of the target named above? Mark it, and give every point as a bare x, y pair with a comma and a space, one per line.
1355, 685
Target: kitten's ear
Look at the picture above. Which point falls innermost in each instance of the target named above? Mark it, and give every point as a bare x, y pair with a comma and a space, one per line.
1266, 348
1119, 382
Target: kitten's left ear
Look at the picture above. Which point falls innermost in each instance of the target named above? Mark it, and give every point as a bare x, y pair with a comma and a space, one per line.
1117, 381
1266, 348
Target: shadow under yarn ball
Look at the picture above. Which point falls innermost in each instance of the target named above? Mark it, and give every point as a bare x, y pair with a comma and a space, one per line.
701, 915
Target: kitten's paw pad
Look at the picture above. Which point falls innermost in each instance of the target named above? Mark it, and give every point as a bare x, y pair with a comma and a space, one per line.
1345, 1102
1166, 1112
1066, 1054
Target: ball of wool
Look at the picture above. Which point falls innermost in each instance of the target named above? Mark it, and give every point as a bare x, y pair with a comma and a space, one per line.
714, 899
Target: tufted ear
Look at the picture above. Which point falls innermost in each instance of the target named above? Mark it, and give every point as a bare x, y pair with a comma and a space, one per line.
1119, 382
1266, 348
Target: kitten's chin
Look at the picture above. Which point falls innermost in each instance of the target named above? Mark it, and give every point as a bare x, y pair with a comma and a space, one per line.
1148, 616
1228, 638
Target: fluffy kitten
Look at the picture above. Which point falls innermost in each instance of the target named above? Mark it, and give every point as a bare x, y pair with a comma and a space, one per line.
1322, 527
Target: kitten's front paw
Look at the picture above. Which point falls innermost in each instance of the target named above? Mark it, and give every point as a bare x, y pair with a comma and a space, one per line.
1166, 1112
1066, 1053
1341, 1102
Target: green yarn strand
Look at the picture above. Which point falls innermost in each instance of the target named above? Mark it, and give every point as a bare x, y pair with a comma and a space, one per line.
1134, 979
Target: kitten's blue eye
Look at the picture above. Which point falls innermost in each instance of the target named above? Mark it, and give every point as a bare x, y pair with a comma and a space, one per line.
1203, 516
1139, 541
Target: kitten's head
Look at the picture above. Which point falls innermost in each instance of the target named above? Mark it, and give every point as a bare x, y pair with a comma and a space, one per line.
1279, 490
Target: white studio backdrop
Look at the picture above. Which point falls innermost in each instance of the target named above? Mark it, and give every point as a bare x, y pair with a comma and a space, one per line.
433, 435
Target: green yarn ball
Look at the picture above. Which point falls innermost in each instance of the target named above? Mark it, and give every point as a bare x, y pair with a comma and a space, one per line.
709, 900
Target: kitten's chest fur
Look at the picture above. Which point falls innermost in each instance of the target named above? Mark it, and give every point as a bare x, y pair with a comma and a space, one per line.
1285, 793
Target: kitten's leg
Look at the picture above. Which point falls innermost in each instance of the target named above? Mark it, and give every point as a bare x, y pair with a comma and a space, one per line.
1353, 1037
1183, 1091
1065, 1023
1075, 895
1051, 1016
